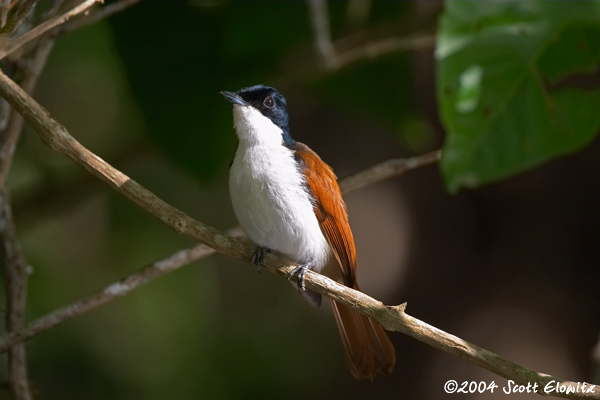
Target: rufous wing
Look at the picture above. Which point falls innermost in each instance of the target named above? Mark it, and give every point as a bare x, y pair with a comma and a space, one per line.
367, 345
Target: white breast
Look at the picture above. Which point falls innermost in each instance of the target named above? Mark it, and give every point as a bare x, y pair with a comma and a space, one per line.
268, 193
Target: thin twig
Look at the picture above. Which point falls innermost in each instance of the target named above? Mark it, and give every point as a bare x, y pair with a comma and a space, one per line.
385, 46
10, 136
347, 53
53, 10
392, 318
93, 16
12, 44
319, 19
4, 8
5, 110
115, 290
387, 169
22, 11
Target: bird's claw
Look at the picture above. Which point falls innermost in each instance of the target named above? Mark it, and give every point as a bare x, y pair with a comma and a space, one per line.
258, 259
300, 270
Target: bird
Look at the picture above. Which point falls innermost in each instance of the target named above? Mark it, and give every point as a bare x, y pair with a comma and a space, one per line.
287, 200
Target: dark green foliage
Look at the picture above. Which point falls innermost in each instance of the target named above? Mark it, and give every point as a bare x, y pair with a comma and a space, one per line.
500, 65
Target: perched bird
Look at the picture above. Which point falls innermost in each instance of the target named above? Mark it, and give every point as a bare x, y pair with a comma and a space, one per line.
287, 200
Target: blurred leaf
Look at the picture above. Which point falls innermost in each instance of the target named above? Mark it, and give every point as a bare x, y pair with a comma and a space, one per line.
500, 114
417, 134
577, 49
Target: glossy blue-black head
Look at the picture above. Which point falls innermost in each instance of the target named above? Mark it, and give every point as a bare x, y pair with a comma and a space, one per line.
268, 101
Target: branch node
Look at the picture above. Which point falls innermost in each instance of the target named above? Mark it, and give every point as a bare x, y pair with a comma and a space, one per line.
401, 308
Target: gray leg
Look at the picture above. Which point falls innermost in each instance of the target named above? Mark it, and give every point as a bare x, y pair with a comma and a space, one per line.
258, 258
300, 270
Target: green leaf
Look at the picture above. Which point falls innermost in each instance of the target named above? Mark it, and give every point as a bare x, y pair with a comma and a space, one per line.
576, 50
503, 70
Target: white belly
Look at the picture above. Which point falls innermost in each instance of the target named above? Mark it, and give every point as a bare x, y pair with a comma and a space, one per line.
273, 207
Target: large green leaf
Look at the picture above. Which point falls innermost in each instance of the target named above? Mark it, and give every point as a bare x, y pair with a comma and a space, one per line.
504, 89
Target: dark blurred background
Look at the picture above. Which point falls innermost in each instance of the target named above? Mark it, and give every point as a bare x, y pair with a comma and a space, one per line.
512, 267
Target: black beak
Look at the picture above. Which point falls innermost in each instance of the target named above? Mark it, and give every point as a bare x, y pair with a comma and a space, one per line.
234, 98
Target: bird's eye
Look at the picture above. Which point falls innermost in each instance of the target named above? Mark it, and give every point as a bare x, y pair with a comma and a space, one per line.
269, 102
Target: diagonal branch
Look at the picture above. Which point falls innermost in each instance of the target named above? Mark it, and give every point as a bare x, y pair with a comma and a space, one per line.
10, 135
392, 318
94, 16
4, 8
378, 48
13, 44
17, 17
386, 170
115, 290
56, 137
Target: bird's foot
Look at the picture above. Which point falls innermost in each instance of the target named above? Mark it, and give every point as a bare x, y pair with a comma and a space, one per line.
258, 259
300, 270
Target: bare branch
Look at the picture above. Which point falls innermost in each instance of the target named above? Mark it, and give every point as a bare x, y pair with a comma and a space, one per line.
11, 45
392, 318
53, 10
94, 16
10, 136
386, 170
16, 272
12, 23
381, 47
347, 52
319, 20
334, 60
4, 8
